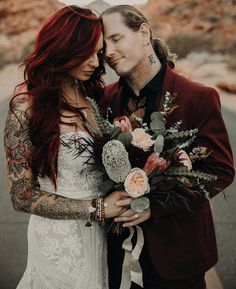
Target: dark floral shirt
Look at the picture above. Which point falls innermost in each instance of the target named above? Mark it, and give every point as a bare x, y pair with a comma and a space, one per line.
148, 100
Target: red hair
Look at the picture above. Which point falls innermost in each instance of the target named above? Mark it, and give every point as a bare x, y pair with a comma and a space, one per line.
65, 41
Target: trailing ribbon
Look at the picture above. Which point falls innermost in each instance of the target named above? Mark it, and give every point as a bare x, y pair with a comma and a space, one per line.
131, 270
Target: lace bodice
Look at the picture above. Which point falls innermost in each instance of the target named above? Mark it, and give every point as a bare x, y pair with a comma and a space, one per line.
76, 179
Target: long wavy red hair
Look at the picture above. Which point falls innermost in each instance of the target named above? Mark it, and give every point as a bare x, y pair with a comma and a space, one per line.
65, 41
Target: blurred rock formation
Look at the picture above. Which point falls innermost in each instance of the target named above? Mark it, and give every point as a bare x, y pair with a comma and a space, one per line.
187, 25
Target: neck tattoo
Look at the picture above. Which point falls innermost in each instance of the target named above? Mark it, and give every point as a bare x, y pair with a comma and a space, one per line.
151, 59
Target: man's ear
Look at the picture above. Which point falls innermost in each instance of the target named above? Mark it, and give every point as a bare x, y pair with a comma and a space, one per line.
145, 32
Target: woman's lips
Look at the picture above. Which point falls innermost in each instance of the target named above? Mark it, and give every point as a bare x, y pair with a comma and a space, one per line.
89, 72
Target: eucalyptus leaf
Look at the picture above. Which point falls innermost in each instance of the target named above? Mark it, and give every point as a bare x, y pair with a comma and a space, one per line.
172, 130
159, 144
125, 138
157, 126
114, 131
158, 115
140, 204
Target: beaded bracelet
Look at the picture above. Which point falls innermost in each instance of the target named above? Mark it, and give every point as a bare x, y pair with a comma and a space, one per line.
100, 211
92, 213
96, 212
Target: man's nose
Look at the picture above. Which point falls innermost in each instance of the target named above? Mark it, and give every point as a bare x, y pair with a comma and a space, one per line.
109, 50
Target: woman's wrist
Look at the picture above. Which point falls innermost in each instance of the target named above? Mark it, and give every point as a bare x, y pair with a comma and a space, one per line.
96, 211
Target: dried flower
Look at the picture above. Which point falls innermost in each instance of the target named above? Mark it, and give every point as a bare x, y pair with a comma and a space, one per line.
115, 159
184, 159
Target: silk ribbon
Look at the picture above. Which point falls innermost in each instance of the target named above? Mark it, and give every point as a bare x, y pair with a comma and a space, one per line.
131, 270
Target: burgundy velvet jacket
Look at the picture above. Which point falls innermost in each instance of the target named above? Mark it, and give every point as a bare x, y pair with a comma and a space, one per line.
182, 243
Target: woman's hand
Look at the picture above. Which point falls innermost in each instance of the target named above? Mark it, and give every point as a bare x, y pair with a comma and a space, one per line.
110, 203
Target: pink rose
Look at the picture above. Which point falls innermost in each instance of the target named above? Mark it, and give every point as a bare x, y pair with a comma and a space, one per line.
124, 123
136, 183
155, 161
141, 139
184, 159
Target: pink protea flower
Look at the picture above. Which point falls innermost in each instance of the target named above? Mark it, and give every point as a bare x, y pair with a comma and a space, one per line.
155, 161
124, 123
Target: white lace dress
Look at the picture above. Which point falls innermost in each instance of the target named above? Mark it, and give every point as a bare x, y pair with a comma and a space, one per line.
64, 254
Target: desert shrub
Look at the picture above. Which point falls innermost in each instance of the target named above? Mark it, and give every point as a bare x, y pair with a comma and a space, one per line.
231, 61
231, 56
182, 45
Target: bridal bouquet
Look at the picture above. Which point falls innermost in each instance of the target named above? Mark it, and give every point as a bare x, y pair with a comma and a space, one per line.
151, 161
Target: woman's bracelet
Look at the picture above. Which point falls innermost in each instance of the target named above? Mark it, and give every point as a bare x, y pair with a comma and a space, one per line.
96, 212
92, 209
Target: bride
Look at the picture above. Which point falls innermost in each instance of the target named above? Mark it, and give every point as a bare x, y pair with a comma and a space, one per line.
66, 242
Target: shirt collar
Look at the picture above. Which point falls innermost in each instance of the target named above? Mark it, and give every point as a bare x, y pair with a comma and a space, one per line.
153, 86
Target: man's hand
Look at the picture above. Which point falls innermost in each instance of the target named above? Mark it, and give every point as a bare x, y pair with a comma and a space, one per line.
130, 218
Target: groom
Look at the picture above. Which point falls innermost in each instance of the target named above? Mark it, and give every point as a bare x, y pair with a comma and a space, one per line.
180, 245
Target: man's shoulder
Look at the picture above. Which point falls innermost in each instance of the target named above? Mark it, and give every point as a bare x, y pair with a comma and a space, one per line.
189, 86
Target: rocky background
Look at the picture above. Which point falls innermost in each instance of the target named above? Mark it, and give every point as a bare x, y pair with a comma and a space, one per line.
200, 32
195, 24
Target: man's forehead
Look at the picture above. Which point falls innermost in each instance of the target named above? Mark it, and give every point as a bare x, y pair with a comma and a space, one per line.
113, 24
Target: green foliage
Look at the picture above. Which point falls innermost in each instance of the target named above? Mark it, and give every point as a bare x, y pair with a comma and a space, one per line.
181, 135
114, 132
125, 138
103, 125
157, 124
183, 171
159, 144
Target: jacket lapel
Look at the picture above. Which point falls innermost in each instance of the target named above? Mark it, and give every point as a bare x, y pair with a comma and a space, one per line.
116, 91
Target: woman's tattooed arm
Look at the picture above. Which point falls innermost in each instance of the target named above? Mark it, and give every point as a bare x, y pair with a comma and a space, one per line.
25, 195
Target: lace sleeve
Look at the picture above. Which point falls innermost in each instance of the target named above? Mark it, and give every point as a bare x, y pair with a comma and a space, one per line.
25, 195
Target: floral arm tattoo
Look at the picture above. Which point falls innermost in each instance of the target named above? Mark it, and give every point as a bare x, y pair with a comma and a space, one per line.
25, 194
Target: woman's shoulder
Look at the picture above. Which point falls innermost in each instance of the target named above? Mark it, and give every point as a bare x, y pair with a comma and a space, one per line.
21, 100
